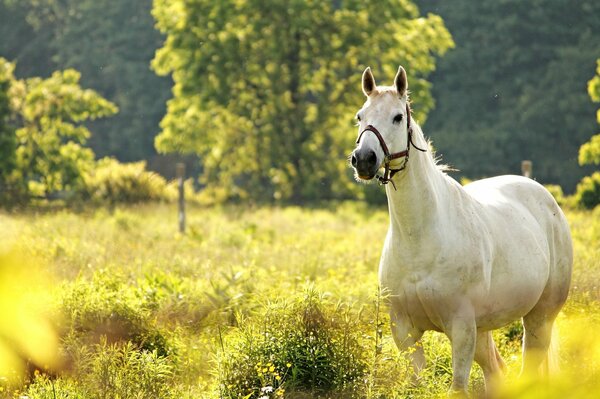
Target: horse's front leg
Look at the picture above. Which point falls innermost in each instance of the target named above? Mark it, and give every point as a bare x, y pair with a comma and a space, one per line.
463, 337
407, 339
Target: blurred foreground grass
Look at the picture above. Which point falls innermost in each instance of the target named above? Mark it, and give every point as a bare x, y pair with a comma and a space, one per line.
250, 303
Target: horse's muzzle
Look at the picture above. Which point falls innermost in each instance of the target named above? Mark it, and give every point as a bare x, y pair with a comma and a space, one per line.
365, 163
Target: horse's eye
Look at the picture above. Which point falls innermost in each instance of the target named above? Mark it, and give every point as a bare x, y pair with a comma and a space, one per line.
398, 118
358, 118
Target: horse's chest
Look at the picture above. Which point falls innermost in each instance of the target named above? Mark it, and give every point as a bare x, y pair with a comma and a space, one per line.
411, 300
411, 282
412, 295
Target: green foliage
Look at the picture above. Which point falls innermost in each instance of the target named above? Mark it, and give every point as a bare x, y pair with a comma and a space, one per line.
8, 140
589, 153
511, 90
304, 345
110, 372
588, 191
122, 371
111, 42
113, 182
265, 91
594, 85
44, 387
51, 156
100, 309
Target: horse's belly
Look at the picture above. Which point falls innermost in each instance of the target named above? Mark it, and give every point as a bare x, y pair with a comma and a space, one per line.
516, 282
509, 299
408, 304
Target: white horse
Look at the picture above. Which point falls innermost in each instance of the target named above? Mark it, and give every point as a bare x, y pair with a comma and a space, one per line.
460, 260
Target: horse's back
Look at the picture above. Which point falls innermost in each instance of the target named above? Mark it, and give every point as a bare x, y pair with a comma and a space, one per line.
509, 190
518, 203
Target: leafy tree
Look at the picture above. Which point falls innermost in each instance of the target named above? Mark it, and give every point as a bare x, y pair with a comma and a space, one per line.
51, 113
8, 142
588, 189
265, 91
589, 153
111, 42
512, 88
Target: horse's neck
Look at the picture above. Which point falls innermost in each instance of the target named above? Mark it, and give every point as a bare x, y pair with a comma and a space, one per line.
416, 202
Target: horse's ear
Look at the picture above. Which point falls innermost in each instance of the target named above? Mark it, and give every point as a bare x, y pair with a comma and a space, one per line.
368, 82
401, 82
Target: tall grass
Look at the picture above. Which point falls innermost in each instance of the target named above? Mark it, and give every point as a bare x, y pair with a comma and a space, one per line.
256, 303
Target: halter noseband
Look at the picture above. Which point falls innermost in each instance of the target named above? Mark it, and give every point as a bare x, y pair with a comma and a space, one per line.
388, 173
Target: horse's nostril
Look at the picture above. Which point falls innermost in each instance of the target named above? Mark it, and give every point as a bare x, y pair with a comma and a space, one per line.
353, 160
372, 158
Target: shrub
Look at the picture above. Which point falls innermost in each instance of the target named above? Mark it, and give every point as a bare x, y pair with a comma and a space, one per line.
102, 310
112, 372
115, 182
587, 194
122, 371
308, 346
44, 387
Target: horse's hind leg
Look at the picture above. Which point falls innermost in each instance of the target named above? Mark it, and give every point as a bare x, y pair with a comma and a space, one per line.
538, 323
487, 356
536, 342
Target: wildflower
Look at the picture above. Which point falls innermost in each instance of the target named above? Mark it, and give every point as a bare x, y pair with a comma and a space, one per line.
267, 389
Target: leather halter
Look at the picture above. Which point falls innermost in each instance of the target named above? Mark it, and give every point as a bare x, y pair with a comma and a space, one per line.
388, 173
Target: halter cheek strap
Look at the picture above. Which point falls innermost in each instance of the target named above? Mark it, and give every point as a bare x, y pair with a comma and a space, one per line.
388, 173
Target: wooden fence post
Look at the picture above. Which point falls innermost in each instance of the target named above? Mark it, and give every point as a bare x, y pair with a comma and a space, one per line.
526, 168
180, 169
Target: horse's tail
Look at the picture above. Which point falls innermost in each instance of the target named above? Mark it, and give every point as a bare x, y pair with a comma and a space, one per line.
551, 364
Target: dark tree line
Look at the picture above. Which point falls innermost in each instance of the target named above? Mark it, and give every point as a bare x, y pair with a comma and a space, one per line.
111, 42
514, 87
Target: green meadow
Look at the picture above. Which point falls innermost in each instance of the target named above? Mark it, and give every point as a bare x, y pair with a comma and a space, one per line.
252, 302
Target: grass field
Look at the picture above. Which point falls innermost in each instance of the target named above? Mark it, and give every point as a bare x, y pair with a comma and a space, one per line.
250, 303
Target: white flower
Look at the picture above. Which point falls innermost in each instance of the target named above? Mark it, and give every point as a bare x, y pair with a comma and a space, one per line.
267, 389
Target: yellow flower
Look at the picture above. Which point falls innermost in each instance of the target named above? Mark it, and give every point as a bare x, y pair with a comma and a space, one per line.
272, 368
288, 365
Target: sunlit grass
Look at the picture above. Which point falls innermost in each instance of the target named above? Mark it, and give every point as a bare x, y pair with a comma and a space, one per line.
174, 307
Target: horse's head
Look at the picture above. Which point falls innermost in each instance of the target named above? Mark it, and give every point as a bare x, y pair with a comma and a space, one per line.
383, 125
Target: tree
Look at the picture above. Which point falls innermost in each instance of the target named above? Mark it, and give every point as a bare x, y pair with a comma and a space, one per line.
589, 152
8, 141
111, 42
51, 114
265, 91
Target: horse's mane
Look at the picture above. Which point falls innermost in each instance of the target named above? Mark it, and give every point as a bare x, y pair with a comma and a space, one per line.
432, 153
